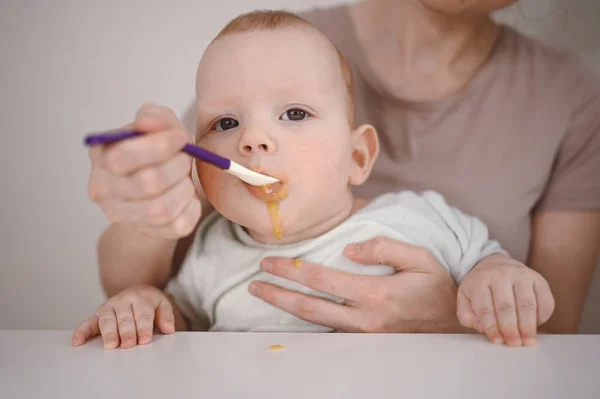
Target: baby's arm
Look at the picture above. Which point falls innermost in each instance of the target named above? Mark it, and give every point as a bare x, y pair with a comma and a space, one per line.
505, 300
129, 318
497, 295
466, 240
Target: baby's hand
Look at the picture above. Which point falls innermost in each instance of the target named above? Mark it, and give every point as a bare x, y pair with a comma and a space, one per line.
128, 318
505, 300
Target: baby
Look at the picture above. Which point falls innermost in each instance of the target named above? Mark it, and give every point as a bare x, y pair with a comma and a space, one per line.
275, 95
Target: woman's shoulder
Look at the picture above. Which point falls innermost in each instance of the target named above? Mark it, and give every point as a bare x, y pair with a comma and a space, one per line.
560, 97
547, 64
546, 78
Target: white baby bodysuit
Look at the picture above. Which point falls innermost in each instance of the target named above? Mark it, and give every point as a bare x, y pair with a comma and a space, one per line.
223, 259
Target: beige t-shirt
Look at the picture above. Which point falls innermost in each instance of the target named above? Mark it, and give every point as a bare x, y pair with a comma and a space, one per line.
524, 135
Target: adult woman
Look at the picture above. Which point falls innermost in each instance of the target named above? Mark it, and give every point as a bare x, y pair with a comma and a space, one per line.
505, 128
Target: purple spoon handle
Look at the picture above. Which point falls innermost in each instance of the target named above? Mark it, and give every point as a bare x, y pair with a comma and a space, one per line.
197, 152
207, 156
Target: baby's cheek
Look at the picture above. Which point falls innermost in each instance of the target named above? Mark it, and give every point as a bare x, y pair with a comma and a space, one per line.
210, 179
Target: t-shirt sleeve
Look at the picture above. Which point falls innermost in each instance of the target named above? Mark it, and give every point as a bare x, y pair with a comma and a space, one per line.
471, 238
574, 183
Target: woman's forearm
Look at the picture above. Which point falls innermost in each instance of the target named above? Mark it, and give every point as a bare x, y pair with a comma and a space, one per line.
128, 257
565, 251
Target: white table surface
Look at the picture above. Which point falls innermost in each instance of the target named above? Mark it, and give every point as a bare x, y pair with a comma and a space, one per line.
41, 364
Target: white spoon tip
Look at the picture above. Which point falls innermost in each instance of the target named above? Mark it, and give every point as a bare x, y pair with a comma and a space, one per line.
249, 176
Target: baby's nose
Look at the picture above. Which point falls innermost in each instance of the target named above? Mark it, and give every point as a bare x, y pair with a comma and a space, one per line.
251, 143
261, 146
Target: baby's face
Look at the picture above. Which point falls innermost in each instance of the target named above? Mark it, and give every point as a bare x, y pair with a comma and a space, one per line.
276, 102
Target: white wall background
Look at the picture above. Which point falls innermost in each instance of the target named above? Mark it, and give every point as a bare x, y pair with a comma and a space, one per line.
71, 67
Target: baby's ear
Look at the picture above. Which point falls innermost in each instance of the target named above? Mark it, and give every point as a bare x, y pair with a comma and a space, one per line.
365, 149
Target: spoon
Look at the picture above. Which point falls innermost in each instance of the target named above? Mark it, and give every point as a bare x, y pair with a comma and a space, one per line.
249, 176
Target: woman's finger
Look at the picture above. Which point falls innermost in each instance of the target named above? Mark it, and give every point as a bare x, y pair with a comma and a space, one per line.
126, 324
85, 330
483, 305
143, 315
330, 281
182, 226
506, 312
152, 181
527, 311
315, 310
153, 117
157, 211
107, 323
96, 155
397, 254
128, 156
99, 185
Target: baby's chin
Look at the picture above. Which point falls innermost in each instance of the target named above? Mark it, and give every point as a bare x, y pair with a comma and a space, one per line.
277, 222
292, 227
263, 211
269, 225
266, 224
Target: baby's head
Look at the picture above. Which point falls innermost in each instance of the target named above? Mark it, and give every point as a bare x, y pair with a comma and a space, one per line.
275, 95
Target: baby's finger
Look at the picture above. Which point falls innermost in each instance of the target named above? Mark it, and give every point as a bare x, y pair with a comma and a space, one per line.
107, 322
464, 311
483, 305
126, 324
527, 312
143, 314
506, 312
85, 330
165, 318
545, 300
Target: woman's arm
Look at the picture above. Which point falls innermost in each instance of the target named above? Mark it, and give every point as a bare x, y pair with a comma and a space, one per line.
145, 190
128, 257
564, 249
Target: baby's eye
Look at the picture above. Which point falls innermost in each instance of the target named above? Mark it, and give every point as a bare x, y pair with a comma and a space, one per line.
295, 114
225, 124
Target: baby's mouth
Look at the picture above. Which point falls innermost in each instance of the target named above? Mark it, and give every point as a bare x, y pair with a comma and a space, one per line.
269, 192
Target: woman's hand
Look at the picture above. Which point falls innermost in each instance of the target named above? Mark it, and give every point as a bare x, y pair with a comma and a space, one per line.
128, 318
145, 182
420, 297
